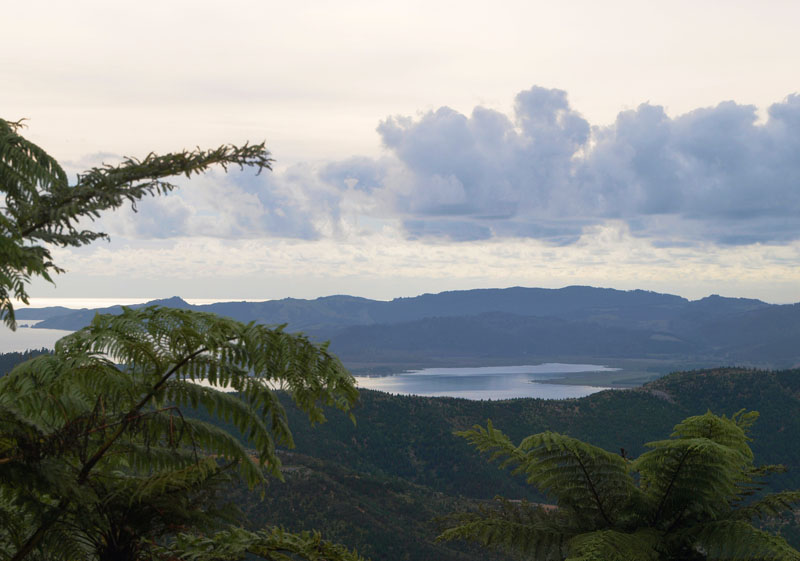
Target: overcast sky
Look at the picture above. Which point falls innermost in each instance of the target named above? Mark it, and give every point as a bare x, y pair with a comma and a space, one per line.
427, 146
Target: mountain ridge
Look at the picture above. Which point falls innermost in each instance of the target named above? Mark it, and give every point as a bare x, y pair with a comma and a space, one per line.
354, 310
518, 323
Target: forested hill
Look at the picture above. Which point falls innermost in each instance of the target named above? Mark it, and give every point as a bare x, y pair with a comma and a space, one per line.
412, 437
407, 443
400, 464
519, 324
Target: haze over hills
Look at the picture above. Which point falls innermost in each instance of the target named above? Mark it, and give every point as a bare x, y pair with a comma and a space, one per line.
575, 322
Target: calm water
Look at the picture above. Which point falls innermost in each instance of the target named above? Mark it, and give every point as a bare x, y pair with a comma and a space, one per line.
491, 382
25, 338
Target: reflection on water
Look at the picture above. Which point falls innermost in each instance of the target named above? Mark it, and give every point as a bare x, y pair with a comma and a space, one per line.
492, 382
25, 338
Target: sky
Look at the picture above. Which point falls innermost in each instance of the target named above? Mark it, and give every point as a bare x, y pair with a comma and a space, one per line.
426, 146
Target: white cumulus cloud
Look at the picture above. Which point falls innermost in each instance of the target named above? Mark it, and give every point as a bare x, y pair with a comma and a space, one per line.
713, 175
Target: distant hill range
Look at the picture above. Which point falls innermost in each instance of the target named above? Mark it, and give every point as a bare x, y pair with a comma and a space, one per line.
513, 324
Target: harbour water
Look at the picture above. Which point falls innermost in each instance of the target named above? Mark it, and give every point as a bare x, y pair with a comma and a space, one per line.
26, 338
491, 382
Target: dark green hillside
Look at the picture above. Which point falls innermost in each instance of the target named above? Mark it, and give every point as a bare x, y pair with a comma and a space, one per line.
405, 438
411, 437
384, 517
775, 395
10, 360
400, 465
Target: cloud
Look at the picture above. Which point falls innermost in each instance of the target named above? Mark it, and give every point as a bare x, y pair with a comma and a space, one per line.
238, 205
487, 167
713, 175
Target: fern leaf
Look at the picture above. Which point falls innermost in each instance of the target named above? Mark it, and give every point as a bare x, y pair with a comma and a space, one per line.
735, 540
515, 527
769, 506
611, 545
579, 476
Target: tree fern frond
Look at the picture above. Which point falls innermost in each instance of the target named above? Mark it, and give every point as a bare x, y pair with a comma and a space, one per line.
275, 544
221, 443
720, 429
492, 440
41, 208
769, 506
686, 503
108, 400
580, 476
145, 489
518, 527
695, 477
611, 545
735, 540
245, 415
25, 169
90, 445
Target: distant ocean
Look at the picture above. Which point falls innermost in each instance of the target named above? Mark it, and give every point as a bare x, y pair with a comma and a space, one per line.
25, 338
79, 303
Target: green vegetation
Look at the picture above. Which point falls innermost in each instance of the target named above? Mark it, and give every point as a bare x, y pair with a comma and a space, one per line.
42, 209
680, 500
401, 466
111, 448
10, 360
410, 439
388, 517
97, 460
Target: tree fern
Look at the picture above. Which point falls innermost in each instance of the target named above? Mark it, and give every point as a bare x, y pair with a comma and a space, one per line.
100, 420
614, 545
683, 499
97, 427
273, 545
735, 540
583, 478
522, 527
42, 209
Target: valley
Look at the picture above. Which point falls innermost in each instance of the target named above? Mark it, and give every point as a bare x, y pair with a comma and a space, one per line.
400, 464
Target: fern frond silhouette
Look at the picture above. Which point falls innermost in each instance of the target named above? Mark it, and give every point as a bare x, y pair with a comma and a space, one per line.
684, 499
